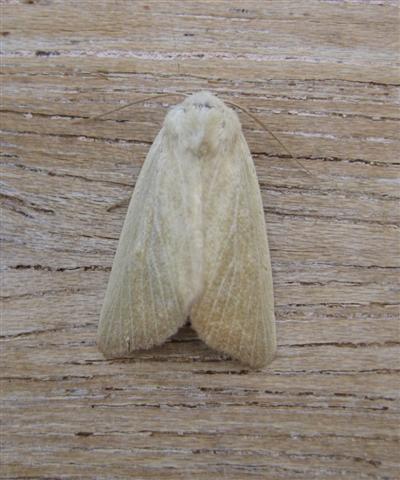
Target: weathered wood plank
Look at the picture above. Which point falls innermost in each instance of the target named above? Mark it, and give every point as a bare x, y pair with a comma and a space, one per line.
323, 76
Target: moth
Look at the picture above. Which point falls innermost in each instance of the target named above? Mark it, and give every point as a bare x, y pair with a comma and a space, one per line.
194, 243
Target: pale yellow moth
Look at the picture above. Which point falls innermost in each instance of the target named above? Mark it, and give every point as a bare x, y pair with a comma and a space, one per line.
194, 243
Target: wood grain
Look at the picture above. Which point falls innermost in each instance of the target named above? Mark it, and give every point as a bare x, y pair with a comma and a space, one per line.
323, 75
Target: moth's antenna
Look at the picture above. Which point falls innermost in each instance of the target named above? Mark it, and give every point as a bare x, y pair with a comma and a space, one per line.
144, 99
262, 124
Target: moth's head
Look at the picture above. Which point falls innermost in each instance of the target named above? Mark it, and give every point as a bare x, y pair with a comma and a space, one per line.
203, 124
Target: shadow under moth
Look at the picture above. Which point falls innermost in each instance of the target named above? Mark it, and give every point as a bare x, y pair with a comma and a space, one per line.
194, 243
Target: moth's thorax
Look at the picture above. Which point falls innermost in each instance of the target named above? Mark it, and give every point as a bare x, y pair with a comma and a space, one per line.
203, 125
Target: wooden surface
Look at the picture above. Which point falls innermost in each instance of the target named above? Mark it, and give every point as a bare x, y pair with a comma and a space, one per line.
323, 76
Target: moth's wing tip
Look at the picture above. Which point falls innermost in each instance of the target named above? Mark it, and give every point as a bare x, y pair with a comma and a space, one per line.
104, 348
262, 360
269, 357
265, 355
111, 348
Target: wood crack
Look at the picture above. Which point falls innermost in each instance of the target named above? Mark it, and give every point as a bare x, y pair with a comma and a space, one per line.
44, 331
389, 343
53, 173
22, 202
327, 159
329, 218
108, 140
48, 268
